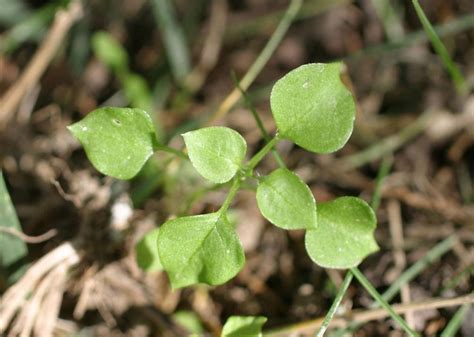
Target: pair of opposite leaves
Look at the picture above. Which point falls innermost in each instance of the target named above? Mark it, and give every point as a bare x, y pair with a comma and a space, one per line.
313, 109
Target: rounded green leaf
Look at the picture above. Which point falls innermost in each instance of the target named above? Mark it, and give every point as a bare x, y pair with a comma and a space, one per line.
313, 108
345, 233
147, 252
239, 326
200, 249
216, 152
118, 141
286, 201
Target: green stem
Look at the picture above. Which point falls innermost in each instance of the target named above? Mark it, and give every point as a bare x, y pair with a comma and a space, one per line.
439, 47
337, 301
258, 120
375, 294
232, 192
261, 60
456, 322
166, 148
435, 253
262, 153
383, 172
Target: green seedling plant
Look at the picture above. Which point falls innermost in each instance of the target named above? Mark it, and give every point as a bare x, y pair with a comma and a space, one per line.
313, 109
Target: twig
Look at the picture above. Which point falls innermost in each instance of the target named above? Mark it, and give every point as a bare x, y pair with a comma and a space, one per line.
40, 61
17, 294
361, 316
396, 233
27, 238
212, 46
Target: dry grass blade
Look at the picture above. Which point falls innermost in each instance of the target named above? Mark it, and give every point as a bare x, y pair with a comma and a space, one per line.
40, 61
361, 316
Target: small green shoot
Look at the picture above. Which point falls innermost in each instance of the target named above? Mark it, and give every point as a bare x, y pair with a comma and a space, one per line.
147, 252
110, 52
440, 49
239, 326
312, 108
12, 249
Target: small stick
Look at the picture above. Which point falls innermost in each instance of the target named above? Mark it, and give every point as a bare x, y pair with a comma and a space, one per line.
40, 61
27, 238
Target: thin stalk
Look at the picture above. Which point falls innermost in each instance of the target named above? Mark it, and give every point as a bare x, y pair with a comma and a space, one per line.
435, 253
409, 274
375, 294
166, 148
439, 47
258, 120
387, 145
262, 153
383, 172
456, 322
459, 25
232, 192
261, 60
337, 301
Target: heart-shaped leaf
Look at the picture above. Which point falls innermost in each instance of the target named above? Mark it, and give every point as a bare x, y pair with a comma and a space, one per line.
313, 108
200, 249
147, 252
286, 201
239, 326
345, 233
216, 152
118, 141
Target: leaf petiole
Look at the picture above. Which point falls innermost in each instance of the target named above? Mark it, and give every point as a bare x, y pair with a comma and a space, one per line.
232, 192
166, 148
262, 153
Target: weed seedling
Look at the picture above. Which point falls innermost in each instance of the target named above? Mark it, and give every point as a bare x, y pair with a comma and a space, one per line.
312, 108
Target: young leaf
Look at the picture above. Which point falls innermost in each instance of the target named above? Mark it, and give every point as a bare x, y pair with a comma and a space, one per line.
189, 320
118, 141
313, 108
200, 249
216, 152
344, 236
286, 201
147, 252
248, 326
12, 249
109, 51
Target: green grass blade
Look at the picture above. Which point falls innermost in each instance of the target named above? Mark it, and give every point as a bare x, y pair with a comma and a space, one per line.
384, 170
456, 322
435, 253
439, 47
375, 294
409, 274
337, 301
13, 12
390, 18
12, 249
173, 38
31, 28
